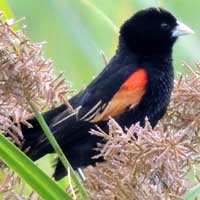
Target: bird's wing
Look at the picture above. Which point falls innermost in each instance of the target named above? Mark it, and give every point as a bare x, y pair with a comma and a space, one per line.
112, 95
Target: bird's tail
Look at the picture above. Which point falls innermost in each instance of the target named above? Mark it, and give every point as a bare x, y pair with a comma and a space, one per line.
61, 122
72, 135
33, 135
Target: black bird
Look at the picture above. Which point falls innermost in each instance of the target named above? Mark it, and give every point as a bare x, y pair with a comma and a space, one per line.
136, 83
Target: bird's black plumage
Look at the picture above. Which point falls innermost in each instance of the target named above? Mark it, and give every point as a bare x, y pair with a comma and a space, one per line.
145, 43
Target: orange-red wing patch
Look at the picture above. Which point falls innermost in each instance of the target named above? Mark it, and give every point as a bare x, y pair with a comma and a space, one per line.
136, 79
128, 96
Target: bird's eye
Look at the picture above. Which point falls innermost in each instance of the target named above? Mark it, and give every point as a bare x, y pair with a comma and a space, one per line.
165, 26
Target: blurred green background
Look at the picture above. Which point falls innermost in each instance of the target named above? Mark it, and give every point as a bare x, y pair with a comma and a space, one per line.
77, 30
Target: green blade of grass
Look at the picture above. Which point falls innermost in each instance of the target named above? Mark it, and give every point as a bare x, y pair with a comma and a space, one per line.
27, 170
102, 15
58, 150
192, 193
6, 9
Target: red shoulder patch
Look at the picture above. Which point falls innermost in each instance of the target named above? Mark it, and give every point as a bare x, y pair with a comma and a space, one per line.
136, 79
128, 96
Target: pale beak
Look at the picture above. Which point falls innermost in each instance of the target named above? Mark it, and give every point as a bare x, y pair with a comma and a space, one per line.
181, 29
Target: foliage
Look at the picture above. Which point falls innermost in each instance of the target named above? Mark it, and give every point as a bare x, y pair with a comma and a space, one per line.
28, 85
26, 169
25, 76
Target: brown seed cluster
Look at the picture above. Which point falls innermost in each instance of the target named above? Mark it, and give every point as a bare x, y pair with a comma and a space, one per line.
26, 76
157, 164
13, 187
184, 109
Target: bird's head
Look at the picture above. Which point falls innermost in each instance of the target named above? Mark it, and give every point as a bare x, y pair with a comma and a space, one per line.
152, 30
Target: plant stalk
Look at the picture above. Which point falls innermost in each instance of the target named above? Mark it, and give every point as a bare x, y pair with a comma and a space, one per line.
58, 150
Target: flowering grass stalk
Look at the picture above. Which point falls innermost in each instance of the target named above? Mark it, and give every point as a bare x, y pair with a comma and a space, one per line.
26, 77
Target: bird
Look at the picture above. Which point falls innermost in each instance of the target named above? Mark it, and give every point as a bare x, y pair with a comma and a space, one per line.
136, 83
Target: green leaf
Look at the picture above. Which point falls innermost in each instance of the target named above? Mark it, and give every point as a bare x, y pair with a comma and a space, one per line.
27, 170
6, 9
59, 151
192, 193
102, 16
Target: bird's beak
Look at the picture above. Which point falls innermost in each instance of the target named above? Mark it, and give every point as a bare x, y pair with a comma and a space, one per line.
181, 29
